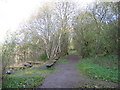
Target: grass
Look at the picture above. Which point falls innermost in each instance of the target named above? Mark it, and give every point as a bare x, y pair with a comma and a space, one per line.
0, 83
92, 84
26, 78
104, 68
107, 61
72, 52
62, 61
36, 71
22, 82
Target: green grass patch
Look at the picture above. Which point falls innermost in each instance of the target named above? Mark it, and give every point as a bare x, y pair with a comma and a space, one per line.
0, 83
62, 61
22, 82
26, 78
36, 71
96, 69
72, 52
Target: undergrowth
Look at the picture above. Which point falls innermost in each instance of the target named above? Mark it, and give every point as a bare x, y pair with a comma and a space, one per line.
26, 78
22, 82
104, 68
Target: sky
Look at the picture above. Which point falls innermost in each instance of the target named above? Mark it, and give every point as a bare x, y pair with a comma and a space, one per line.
14, 12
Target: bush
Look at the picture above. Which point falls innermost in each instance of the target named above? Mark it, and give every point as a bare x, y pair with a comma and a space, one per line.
44, 57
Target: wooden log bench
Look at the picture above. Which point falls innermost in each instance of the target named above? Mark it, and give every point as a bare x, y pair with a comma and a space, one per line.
54, 61
22, 67
8, 72
27, 65
56, 58
36, 63
51, 63
29, 62
17, 68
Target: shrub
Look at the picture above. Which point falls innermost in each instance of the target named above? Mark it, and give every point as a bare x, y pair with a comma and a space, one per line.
44, 57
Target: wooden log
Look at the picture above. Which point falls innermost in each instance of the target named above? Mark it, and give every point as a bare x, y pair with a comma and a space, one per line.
29, 62
33, 62
15, 68
36, 63
8, 72
22, 67
56, 58
49, 65
27, 65
54, 61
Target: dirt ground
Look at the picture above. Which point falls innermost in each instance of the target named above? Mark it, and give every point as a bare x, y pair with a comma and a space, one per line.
67, 75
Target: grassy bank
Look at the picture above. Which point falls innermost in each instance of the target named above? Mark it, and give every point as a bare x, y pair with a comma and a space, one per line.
26, 78
22, 82
104, 67
62, 61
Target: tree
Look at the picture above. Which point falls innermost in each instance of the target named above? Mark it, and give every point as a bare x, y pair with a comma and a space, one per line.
92, 30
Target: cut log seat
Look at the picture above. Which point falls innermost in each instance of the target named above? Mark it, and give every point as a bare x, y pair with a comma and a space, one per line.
17, 68
56, 58
10, 67
33, 62
49, 65
22, 67
29, 62
27, 65
8, 72
54, 61
36, 63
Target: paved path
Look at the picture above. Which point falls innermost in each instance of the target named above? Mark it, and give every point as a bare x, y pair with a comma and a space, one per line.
67, 75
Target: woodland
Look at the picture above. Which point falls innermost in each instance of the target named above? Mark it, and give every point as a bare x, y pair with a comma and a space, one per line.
63, 28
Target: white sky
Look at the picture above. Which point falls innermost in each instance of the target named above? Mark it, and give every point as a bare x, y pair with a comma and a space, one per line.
14, 12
